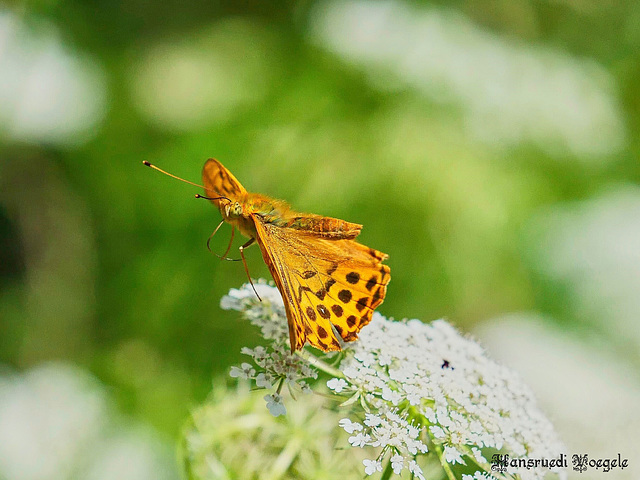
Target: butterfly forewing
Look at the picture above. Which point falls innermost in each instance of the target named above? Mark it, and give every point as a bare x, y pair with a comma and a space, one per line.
326, 284
220, 182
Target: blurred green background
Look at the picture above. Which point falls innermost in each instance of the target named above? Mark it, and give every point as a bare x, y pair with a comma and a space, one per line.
490, 147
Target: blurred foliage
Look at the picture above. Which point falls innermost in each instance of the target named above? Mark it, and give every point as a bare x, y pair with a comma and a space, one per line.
104, 263
232, 435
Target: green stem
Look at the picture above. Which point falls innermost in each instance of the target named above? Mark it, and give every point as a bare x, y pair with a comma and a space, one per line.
319, 364
386, 474
445, 464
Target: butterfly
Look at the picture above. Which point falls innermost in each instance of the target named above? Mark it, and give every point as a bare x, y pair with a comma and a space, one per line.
330, 284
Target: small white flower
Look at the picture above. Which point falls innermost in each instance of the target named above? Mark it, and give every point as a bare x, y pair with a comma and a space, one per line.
245, 371
275, 405
263, 381
350, 426
304, 386
259, 353
452, 455
391, 396
372, 420
416, 470
372, 466
384, 359
477, 455
229, 302
359, 440
430, 414
337, 384
397, 463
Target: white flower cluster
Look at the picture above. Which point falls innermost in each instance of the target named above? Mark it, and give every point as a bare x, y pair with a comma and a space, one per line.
267, 314
275, 366
428, 385
425, 390
387, 429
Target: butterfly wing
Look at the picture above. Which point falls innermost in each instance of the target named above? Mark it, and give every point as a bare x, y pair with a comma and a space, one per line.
328, 286
219, 181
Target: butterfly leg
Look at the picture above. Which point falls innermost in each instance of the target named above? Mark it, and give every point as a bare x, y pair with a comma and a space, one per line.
224, 255
233, 232
246, 268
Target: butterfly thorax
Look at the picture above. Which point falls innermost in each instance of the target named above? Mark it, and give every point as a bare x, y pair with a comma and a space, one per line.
240, 212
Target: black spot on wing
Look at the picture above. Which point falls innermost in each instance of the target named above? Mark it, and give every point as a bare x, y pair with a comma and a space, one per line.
353, 277
311, 314
322, 333
301, 290
345, 296
362, 303
323, 311
332, 269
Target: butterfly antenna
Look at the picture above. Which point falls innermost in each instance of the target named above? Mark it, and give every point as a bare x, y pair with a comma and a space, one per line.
213, 198
151, 165
246, 268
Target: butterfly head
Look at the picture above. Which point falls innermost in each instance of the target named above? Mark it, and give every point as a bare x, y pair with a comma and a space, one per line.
233, 210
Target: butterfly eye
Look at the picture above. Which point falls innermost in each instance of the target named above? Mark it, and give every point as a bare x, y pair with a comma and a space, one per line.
233, 209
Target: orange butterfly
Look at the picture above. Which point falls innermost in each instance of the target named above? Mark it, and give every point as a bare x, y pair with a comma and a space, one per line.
330, 283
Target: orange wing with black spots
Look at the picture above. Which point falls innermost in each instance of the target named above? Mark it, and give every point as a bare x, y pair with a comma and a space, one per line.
330, 286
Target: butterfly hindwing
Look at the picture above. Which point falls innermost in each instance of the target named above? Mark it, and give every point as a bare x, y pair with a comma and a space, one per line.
330, 287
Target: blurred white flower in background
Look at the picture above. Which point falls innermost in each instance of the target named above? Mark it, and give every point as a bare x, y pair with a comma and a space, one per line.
592, 249
56, 424
593, 394
48, 94
204, 78
232, 436
509, 93
48, 418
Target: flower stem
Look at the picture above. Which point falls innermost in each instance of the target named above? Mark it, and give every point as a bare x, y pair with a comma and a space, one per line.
445, 464
319, 364
386, 474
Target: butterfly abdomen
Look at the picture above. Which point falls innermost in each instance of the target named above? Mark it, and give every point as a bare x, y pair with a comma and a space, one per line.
279, 213
326, 227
